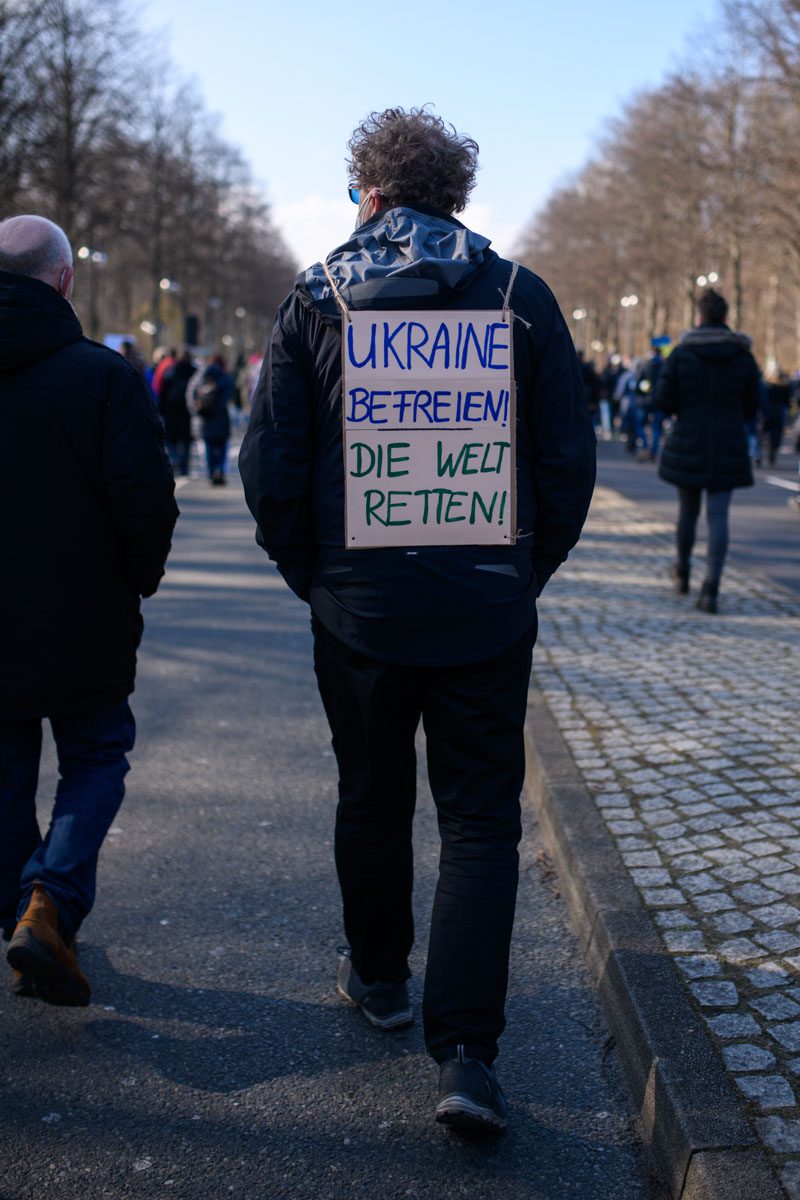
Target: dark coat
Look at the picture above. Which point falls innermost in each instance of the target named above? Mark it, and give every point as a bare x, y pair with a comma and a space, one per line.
777, 398
710, 382
217, 426
442, 604
86, 509
172, 402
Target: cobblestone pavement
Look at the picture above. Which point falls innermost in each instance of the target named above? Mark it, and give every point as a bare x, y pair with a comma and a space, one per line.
685, 728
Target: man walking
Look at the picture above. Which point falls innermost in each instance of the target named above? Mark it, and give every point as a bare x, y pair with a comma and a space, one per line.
86, 516
428, 625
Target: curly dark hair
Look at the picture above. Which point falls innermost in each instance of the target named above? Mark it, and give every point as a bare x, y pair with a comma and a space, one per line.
414, 157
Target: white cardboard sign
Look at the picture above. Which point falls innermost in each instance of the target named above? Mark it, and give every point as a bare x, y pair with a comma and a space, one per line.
428, 409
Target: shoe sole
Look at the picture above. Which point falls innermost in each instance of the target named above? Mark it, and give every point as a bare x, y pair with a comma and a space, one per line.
396, 1020
52, 983
463, 1115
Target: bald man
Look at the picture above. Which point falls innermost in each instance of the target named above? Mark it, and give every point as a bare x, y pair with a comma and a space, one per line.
86, 516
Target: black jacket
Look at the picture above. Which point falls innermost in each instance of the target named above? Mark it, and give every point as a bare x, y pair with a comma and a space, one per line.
710, 382
436, 605
217, 424
172, 401
86, 509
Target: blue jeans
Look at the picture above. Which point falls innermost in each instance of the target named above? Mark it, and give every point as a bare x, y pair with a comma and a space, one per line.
91, 750
179, 456
216, 453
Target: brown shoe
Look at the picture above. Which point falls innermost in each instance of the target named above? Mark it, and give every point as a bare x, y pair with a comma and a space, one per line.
38, 951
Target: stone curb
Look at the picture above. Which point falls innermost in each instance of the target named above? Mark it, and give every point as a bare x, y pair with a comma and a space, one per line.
694, 1126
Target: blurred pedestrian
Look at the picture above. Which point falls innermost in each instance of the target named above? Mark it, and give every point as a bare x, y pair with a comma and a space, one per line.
86, 515
165, 360
608, 386
439, 633
776, 397
648, 386
632, 408
212, 395
591, 387
174, 410
710, 384
131, 355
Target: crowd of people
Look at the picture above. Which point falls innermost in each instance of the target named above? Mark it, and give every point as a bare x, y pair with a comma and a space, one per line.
622, 399
721, 416
198, 400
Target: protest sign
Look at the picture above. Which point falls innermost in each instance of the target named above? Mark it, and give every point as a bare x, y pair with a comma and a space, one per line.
428, 415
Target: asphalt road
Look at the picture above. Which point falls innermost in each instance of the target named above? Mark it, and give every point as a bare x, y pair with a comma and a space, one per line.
216, 1059
765, 531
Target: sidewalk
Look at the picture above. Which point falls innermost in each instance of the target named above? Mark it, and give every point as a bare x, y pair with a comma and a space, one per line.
216, 1060
684, 728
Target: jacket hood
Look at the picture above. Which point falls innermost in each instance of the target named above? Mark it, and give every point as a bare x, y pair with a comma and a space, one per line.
35, 321
716, 343
403, 255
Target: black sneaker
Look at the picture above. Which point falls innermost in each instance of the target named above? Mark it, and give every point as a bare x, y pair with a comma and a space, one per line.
471, 1100
385, 1005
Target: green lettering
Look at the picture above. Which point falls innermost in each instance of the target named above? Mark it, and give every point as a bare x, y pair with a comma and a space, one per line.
394, 460
453, 501
477, 502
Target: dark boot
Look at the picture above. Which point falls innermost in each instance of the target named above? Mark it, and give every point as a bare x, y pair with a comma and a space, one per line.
707, 600
680, 577
22, 985
40, 954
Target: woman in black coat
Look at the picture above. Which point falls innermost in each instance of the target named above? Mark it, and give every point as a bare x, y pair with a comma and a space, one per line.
710, 383
211, 400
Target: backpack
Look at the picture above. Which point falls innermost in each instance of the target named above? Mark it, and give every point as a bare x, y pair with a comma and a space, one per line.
206, 397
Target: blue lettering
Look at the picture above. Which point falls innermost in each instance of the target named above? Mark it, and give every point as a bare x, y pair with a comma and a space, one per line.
388, 344
469, 404
492, 347
370, 360
442, 405
402, 404
441, 343
480, 351
359, 398
377, 408
415, 347
424, 406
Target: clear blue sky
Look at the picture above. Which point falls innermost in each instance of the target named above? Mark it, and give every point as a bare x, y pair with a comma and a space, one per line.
531, 82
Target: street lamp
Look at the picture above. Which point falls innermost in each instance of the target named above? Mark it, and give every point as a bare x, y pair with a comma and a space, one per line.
170, 287
240, 313
629, 304
579, 314
92, 258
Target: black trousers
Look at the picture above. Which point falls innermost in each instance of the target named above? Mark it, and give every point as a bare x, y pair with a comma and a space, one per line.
473, 717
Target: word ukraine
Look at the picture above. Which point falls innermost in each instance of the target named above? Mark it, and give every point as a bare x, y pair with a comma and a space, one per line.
428, 413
